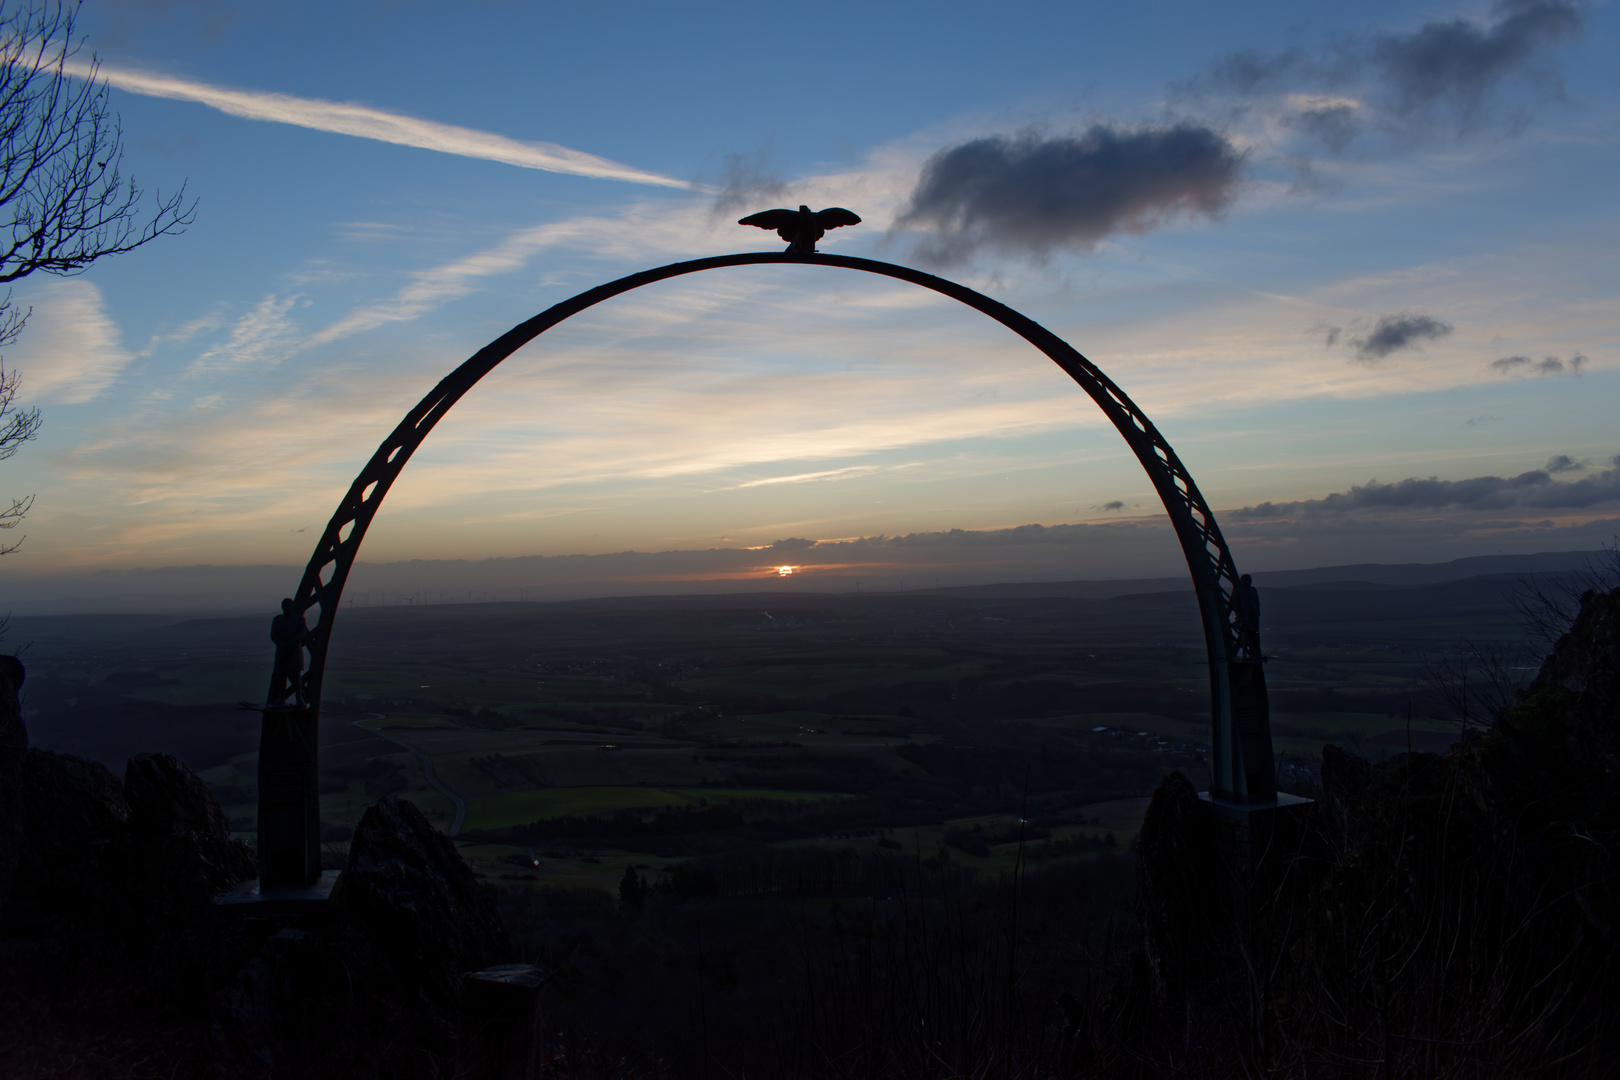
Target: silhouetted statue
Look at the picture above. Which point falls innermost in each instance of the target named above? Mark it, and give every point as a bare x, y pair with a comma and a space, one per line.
801, 228
1246, 601
290, 634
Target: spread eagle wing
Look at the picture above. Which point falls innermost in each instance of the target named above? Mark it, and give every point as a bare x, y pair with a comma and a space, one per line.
774, 219
835, 216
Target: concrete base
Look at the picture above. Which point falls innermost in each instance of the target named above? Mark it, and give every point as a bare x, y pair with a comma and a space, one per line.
248, 901
1247, 813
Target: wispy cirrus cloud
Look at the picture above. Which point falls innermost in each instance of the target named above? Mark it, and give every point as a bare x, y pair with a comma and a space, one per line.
435, 286
809, 477
266, 334
367, 122
72, 349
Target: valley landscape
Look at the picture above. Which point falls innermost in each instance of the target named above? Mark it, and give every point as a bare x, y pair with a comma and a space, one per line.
790, 833
772, 718
1131, 590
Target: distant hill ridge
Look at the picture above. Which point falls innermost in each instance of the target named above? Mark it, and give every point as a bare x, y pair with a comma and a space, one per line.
242, 590
1337, 578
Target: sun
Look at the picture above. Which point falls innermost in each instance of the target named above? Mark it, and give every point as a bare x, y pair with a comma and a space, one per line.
784, 571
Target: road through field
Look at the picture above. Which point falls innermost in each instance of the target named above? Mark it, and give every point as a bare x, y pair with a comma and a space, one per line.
427, 766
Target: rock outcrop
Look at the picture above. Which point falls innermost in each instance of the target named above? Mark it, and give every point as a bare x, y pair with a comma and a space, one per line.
112, 897
406, 884
379, 974
1580, 682
181, 845
1182, 885
75, 836
155, 847
13, 745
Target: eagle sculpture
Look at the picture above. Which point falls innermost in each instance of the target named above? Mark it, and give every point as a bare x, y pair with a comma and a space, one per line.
801, 228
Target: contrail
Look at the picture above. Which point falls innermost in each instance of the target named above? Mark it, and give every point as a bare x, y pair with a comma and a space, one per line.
368, 123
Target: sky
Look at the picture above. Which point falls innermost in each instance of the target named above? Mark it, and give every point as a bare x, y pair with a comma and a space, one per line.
1358, 262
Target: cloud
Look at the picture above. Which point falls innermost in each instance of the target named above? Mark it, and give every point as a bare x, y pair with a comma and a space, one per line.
1457, 65
1393, 333
266, 335
1530, 490
746, 181
436, 286
848, 473
1563, 463
70, 351
1114, 504
1446, 72
363, 121
1032, 194
1484, 420
1335, 125
1520, 366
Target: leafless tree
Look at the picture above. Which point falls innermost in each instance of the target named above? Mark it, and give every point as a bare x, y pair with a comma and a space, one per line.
1478, 682
1547, 607
63, 201
17, 426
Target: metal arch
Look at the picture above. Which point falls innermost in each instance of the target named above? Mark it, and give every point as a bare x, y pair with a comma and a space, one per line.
1210, 562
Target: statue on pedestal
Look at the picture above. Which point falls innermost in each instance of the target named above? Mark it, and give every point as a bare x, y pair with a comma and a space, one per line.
290, 635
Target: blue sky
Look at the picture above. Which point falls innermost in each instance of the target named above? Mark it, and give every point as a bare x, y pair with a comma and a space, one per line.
1328, 249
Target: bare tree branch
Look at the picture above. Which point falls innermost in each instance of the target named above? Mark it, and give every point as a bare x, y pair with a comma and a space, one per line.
12, 517
17, 425
1547, 607
63, 201
1478, 682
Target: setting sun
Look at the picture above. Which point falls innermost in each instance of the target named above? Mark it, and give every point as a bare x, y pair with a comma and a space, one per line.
784, 571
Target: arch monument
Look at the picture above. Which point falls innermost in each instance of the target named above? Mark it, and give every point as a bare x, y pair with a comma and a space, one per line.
1240, 735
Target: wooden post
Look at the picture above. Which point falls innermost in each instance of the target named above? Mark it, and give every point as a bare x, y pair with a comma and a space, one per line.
500, 1023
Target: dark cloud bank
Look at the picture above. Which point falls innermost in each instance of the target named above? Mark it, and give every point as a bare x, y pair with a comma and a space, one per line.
1443, 76
1031, 193
1536, 490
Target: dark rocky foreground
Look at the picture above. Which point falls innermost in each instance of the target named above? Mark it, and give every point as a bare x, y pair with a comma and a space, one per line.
1446, 915
1434, 915
115, 960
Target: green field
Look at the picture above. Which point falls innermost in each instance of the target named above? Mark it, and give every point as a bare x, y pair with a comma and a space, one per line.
518, 808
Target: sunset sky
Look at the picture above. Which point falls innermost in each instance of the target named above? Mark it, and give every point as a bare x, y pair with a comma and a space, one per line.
1359, 262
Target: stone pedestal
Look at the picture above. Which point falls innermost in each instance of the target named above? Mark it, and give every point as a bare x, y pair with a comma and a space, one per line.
289, 803
500, 1023
1251, 723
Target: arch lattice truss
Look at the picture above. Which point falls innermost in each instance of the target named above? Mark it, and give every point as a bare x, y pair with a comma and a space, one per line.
1210, 562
